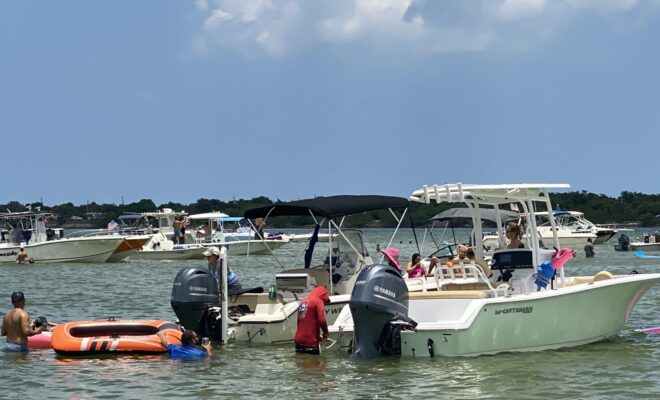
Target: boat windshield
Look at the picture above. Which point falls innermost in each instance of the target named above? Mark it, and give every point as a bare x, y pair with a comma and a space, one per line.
355, 242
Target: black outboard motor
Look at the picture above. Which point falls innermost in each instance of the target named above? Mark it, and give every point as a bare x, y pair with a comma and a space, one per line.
196, 302
624, 242
379, 306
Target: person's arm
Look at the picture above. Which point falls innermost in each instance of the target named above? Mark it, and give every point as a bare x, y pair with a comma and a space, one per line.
4, 326
207, 348
163, 339
25, 326
410, 267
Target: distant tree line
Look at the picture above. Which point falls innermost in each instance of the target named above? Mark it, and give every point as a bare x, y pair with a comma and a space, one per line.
629, 207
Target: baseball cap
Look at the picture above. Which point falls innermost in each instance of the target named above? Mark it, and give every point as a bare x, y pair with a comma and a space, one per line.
17, 296
212, 251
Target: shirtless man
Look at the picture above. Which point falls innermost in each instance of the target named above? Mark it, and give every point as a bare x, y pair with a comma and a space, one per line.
16, 325
21, 257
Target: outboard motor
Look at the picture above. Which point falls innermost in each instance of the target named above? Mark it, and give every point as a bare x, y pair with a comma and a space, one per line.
379, 306
196, 301
624, 241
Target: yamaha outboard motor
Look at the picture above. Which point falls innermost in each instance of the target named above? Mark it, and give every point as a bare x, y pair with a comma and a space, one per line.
379, 306
196, 301
624, 241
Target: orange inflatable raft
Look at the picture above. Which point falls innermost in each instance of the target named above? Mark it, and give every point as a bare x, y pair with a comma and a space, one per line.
113, 336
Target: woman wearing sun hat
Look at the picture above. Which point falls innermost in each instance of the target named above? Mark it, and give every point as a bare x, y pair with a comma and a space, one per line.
392, 257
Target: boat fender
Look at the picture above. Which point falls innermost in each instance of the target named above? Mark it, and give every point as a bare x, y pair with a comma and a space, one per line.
429, 345
545, 274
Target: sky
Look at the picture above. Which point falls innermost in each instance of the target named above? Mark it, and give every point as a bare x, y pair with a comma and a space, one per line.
229, 99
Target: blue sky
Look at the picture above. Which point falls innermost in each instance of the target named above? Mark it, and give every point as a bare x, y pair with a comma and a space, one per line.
176, 101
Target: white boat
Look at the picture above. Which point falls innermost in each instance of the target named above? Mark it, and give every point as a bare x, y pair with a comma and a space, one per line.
241, 241
576, 222
258, 317
28, 230
520, 307
160, 246
131, 243
546, 231
651, 242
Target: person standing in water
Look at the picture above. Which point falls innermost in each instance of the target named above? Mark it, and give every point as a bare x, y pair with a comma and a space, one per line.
589, 249
312, 321
16, 325
21, 257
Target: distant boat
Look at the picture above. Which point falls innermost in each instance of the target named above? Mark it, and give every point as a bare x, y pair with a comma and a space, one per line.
28, 230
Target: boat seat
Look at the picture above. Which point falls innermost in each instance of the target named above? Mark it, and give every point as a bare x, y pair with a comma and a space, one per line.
250, 301
465, 286
321, 276
600, 276
448, 294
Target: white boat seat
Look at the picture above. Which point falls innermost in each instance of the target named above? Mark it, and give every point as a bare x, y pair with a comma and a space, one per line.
467, 286
448, 294
250, 301
301, 279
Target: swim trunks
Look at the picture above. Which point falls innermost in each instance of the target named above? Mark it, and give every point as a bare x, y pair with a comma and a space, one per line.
15, 347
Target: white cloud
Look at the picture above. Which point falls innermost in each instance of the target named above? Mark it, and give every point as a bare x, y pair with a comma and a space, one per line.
278, 27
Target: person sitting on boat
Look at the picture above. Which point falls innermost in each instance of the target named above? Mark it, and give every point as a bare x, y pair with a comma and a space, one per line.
416, 269
21, 257
204, 232
392, 257
514, 235
190, 347
462, 252
259, 233
16, 326
312, 321
212, 255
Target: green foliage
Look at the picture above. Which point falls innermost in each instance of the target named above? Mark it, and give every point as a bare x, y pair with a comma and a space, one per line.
629, 207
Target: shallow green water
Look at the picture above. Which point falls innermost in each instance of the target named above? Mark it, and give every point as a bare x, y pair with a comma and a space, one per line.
623, 367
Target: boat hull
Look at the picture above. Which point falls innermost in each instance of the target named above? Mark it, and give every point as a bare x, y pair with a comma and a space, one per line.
254, 247
564, 318
279, 326
130, 246
184, 253
644, 246
87, 250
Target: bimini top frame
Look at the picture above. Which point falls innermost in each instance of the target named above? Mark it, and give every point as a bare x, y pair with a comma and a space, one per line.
476, 196
333, 208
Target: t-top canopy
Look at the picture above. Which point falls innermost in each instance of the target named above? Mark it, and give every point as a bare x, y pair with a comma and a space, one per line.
330, 206
484, 194
209, 215
484, 213
230, 219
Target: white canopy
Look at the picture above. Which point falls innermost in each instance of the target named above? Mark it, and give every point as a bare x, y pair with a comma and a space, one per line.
214, 215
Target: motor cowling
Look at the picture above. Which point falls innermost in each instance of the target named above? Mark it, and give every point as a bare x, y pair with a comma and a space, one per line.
196, 301
379, 307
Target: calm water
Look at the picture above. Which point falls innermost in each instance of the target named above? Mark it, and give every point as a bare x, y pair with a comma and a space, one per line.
623, 367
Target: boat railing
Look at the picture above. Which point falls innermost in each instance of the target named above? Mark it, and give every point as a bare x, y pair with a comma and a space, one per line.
105, 232
469, 276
